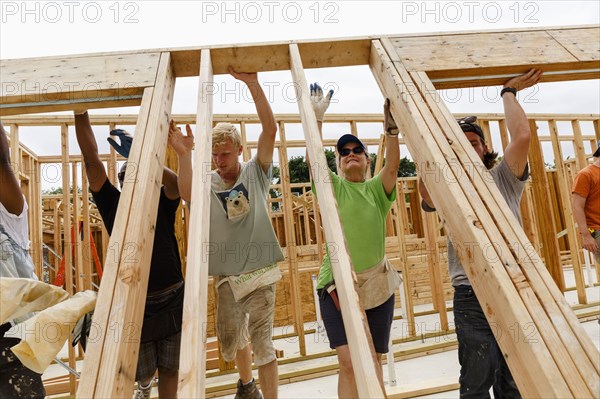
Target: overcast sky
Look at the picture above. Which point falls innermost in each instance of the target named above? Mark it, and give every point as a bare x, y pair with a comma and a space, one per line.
37, 28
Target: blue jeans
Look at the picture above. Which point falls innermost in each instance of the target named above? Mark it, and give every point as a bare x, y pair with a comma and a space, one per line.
480, 358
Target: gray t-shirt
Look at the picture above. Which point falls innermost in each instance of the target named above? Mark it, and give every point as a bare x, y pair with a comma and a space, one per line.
241, 234
511, 189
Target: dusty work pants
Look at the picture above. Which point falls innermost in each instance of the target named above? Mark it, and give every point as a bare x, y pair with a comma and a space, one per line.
481, 361
16, 380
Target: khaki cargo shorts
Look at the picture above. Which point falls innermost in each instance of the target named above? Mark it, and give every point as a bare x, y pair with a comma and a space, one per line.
249, 320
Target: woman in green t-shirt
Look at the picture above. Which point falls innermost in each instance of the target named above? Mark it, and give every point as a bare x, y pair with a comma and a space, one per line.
363, 205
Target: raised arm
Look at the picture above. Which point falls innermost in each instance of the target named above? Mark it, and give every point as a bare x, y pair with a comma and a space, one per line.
94, 167
183, 146
516, 152
389, 172
266, 140
11, 195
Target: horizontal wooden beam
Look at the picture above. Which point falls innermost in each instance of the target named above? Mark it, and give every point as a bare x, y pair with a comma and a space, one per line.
489, 58
74, 158
67, 105
274, 56
464, 59
130, 119
56, 84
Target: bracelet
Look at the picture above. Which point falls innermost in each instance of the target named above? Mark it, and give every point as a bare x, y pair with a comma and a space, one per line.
508, 90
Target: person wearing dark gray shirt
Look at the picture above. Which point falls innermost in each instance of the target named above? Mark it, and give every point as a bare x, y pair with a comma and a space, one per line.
482, 364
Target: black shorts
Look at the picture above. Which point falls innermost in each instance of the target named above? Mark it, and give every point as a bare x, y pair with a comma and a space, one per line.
379, 318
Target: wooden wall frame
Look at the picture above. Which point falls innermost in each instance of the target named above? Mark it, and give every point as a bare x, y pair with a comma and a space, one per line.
515, 288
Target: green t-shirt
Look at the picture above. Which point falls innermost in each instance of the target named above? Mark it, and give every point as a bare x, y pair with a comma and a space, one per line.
363, 209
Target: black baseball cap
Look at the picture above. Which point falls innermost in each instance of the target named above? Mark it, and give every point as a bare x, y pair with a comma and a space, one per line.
348, 138
468, 124
597, 153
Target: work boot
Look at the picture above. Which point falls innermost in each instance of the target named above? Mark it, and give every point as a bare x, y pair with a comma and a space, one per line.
249, 391
143, 392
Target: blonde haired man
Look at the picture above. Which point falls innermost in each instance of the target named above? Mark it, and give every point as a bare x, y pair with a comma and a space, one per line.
224, 132
243, 248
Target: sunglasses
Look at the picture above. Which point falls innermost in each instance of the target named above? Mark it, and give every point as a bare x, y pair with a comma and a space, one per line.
346, 151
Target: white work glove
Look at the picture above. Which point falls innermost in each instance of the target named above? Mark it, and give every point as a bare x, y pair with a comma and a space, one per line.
389, 124
319, 103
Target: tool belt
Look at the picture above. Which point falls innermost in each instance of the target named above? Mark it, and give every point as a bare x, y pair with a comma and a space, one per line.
244, 284
329, 289
375, 285
594, 233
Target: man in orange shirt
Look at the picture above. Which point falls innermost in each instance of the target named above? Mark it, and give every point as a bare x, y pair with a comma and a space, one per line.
586, 205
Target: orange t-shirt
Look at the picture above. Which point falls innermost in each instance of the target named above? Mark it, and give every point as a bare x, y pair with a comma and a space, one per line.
587, 184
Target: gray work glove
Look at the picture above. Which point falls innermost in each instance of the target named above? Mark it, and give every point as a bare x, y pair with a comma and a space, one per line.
126, 140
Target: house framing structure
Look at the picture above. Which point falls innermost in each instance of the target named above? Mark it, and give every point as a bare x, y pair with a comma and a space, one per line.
514, 286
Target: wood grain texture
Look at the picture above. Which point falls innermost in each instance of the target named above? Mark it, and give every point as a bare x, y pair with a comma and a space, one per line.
192, 367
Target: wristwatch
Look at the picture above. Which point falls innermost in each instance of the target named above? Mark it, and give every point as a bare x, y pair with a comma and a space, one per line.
508, 90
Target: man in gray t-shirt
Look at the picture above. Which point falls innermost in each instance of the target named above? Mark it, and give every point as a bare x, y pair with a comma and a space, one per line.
511, 187
243, 249
482, 363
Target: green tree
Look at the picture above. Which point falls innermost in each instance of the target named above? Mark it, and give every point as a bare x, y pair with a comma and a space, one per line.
298, 169
331, 161
407, 168
373, 157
